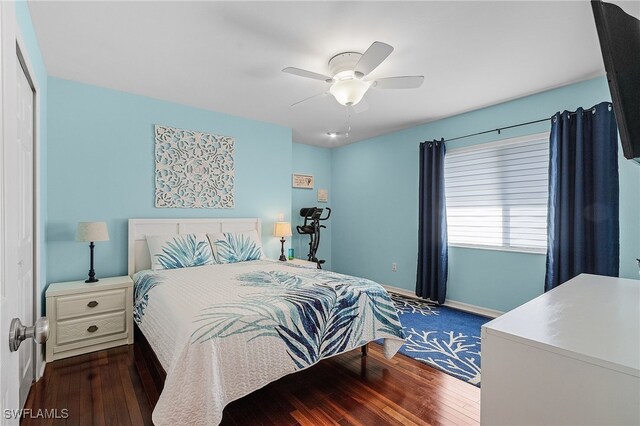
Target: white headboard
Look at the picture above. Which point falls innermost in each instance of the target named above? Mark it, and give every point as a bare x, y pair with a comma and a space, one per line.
139, 258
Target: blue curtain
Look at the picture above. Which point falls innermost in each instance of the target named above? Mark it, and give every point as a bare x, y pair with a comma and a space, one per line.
432, 224
583, 221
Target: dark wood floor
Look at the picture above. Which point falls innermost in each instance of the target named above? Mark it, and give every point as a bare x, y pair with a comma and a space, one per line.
104, 388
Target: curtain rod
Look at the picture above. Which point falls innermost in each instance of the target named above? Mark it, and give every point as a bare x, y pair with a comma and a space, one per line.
499, 129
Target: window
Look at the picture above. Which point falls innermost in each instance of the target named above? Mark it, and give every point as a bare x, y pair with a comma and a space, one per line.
497, 194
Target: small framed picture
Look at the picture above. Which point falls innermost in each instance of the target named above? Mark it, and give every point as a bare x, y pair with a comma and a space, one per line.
302, 181
323, 195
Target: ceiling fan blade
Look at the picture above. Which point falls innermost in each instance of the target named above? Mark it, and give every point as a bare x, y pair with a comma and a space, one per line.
309, 98
404, 82
308, 74
375, 54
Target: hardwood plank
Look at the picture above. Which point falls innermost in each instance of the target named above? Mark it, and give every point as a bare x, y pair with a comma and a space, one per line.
303, 419
399, 417
393, 385
73, 404
119, 399
95, 382
374, 397
140, 396
110, 414
148, 385
52, 390
323, 398
85, 414
324, 417
113, 387
303, 411
454, 388
63, 391
135, 415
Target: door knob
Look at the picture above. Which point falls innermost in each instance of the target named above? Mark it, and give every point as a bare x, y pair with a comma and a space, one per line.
18, 332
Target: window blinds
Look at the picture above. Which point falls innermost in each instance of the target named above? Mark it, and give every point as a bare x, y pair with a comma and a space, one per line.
497, 194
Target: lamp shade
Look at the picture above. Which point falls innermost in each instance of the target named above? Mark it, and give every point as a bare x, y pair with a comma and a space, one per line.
349, 92
282, 229
92, 231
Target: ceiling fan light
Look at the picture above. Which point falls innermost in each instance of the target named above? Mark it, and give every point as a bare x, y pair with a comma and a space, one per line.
349, 92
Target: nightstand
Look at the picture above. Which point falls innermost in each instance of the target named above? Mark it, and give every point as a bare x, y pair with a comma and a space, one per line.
89, 317
302, 262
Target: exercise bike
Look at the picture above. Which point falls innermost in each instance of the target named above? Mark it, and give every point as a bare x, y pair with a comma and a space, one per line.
312, 218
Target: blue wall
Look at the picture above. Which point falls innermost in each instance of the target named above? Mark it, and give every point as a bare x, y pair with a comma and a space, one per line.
101, 168
315, 161
32, 52
382, 173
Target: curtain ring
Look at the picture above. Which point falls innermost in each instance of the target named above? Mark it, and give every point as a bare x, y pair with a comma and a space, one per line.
554, 118
609, 107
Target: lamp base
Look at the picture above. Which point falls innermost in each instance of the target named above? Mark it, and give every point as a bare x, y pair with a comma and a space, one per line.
92, 275
92, 272
282, 257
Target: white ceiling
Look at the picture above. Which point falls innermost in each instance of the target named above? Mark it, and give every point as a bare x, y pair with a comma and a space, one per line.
228, 56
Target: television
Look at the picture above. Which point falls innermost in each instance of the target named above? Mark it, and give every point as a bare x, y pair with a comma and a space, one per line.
619, 35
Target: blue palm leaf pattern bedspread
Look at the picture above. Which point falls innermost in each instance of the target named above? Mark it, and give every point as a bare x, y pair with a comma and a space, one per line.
223, 331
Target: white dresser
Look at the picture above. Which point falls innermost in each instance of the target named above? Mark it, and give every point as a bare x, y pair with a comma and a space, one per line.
86, 317
568, 357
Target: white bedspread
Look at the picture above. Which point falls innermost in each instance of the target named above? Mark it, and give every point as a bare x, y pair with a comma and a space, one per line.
223, 331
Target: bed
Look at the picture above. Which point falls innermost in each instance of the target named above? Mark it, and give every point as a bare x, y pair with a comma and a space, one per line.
222, 331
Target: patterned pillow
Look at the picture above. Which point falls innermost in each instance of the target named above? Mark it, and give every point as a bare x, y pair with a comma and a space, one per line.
179, 251
236, 247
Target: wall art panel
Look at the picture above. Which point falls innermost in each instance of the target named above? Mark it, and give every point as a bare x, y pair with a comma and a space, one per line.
194, 169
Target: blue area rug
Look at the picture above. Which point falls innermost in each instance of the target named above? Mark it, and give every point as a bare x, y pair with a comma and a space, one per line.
444, 338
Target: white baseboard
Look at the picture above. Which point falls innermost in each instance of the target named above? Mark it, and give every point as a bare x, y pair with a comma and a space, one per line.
491, 313
400, 291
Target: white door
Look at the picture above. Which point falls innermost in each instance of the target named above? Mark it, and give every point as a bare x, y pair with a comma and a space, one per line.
24, 210
9, 294
16, 219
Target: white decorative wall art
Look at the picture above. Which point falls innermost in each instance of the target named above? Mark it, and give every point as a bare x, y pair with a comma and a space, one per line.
323, 195
194, 169
302, 181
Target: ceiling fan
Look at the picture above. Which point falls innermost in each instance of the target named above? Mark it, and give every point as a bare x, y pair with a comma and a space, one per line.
348, 70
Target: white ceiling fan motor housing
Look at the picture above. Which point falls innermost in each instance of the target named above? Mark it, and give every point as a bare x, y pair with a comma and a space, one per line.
343, 63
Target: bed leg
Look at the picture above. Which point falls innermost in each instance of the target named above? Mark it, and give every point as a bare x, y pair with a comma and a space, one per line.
364, 350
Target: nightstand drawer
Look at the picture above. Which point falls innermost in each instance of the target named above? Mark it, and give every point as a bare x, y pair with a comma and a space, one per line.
88, 328
90, 303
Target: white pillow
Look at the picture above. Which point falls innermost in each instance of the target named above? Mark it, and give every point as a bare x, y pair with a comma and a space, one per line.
179, 251
231, 247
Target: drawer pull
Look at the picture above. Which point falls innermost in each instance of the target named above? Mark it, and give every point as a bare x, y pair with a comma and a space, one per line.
92, 304
92, 329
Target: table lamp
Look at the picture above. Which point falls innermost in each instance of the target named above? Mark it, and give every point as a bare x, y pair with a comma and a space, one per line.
282, 229
91, 232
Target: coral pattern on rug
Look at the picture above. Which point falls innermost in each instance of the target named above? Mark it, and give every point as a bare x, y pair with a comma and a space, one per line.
445, 338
